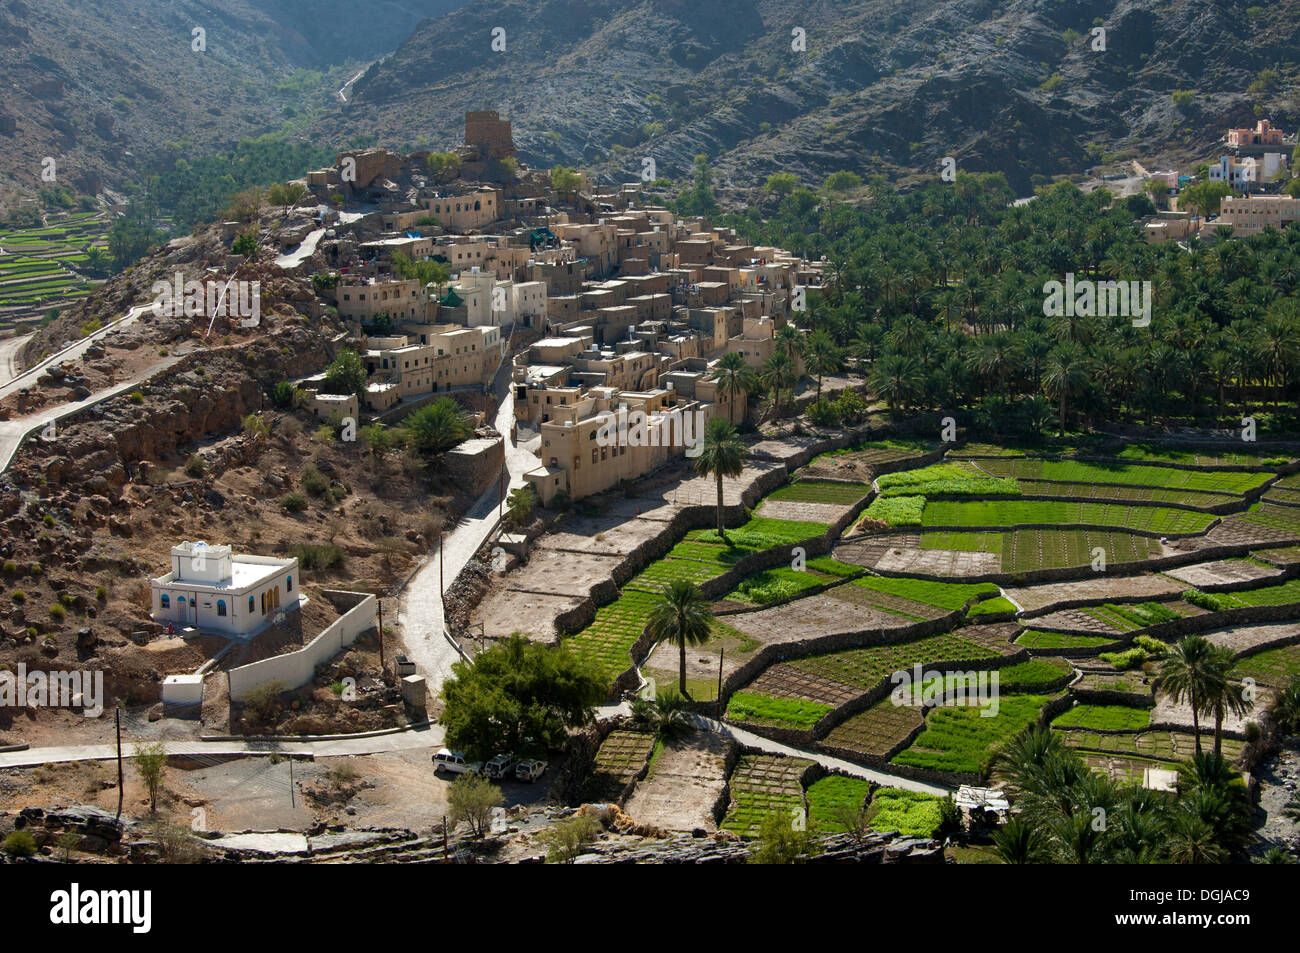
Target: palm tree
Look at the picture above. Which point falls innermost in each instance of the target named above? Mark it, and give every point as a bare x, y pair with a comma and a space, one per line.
823, 358
1018, 842
723, 454
1065, 376
897, 378
789, 341
681, 617
519, 505
734, 377
1187, 673
778, 375
1226, 697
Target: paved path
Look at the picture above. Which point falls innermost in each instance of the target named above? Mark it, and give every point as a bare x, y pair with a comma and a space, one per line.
752, 740
376, 744
9, 349
12, 432
420, 614
70, 353
307, 247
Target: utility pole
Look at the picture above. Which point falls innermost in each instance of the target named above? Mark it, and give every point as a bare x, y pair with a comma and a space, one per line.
717, 703
292, 802
119, 762
379, 603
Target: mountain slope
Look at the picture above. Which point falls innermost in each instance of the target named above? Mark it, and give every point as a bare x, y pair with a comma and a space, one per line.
883, 87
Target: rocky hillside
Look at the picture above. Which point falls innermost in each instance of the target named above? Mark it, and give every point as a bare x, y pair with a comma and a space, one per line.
104, 86
1011, 85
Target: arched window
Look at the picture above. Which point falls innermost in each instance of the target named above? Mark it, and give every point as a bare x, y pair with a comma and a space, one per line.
250, 604
180, 602
221, 607
165, 601
288, 583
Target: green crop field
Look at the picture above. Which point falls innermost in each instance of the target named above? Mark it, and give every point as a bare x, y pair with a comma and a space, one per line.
832, 795
1160, 745
1274, 667
878, 729
953, 479
864, 668
1104, 718
1032, 674
1280, 595
1102, 492
818, 492
658, 574
770, 585
763, 533
759, 709
942, 595
897, 510
1133, 474
609, 639
1034, 639
1155, 519
911, 813
1128, 617
1283, 518
763, 784
1029, 549
1217, 458
998, 605
960, 739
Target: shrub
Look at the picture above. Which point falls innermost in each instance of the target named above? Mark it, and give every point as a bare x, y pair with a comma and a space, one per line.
318, 556
57, 612
824, 413
293, 502
136, 397
18, 596
1212, 601
1129, 658
101, 593
313, 481
196, 466
19, 844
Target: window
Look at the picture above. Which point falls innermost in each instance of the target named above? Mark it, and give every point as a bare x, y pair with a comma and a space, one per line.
165, 601
250, 604
593, 454
221, 607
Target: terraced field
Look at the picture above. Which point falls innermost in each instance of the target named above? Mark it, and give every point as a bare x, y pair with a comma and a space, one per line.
961, 740
1152, 519
1272, 667
865, 668
620, 758
39, 264
877, 730
1157, 745
762, 784
1036, 639
1129, 474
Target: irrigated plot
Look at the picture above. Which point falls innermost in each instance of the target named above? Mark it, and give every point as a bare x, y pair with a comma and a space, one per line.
621, 757
865, 668
1272, 667
1128, 474
684, 782
1160, 745
609, 639
1095, 586
962, 740
1009, 513
826, 613
1047, 641
763, 784
876, 731
1222, 572
1121, 494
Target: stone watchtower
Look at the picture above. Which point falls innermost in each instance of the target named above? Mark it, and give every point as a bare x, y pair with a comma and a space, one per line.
489, 134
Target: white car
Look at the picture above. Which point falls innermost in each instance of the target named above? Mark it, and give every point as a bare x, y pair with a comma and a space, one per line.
529, 770
500, 767
454, 762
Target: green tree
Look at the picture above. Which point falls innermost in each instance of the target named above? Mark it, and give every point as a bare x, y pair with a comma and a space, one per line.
346, 374
564, 179
1188, 673
516, 691
681, 617
436, 427
722, 454
822, 357
782, 841
778, 376
471, 799
734, 377
151, 764
782, 183
519, 505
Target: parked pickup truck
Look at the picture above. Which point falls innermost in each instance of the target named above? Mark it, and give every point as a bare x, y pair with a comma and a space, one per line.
454, 761
530, 770
501, 766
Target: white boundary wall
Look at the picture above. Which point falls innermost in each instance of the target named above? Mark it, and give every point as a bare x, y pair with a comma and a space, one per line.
297, 668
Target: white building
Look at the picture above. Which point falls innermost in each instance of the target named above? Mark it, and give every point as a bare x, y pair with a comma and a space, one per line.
212, 588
